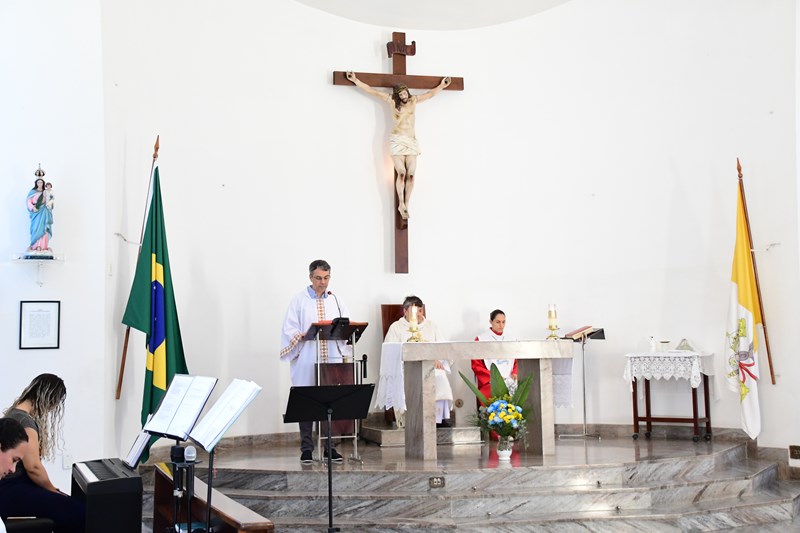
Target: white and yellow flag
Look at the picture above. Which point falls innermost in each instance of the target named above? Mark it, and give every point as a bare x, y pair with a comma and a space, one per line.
744, 314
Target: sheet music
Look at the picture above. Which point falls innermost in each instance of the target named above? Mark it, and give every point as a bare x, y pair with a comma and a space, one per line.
230, 405
181, 406
132, 459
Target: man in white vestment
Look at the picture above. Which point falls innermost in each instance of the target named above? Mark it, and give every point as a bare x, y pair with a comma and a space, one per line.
313, 304
399, 332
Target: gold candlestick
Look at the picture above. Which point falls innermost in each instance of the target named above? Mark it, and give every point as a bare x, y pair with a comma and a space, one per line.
552, 322
416, 334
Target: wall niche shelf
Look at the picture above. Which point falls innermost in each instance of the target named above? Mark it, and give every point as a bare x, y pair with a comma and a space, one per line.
40, 260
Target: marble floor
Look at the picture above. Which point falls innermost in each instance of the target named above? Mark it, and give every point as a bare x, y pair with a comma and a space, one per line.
571, 453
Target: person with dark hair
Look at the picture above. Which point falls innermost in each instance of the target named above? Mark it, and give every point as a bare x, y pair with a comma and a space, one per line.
507, 367
414, 313
402, 140
313, 304
28, 491
13, 443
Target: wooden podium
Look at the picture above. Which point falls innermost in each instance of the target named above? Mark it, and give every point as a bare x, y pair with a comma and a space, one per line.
345, 373
234, 517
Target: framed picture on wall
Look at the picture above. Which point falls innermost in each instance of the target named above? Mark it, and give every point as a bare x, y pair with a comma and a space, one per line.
39, 325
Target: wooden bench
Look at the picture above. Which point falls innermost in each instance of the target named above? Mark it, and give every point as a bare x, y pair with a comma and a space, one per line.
235, 517
29, 525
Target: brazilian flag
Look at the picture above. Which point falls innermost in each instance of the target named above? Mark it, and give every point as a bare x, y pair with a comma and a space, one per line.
151, 309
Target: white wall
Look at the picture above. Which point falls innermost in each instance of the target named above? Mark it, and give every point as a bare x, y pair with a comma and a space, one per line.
52, 113
590, 162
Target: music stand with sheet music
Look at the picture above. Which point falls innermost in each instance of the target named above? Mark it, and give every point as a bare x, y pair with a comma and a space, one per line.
174, 418
597, 334
328, 402
166, 422
215, 423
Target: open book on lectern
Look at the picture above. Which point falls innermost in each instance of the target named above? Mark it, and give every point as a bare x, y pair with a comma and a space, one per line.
590, 332
181, 406
224, 413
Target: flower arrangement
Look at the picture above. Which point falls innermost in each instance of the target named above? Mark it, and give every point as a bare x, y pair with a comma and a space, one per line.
503, 412
503, 418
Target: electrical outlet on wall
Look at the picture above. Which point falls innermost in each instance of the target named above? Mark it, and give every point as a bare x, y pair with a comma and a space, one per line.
66, 460
794, 456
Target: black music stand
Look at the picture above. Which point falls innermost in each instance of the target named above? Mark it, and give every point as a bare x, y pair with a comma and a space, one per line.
328, 402
598, 334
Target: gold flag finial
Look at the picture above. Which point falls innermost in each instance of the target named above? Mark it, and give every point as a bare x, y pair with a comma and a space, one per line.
155, 148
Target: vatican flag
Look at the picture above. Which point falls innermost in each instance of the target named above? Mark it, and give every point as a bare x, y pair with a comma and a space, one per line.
744, 314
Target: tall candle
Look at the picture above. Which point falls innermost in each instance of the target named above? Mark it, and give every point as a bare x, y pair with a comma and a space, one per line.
551, 316
413, 320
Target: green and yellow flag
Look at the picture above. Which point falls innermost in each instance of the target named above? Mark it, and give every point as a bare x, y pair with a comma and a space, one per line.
744, 314
151, 308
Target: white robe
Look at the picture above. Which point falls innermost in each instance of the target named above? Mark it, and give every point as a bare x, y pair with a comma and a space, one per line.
301, 313
505, 366
398, 332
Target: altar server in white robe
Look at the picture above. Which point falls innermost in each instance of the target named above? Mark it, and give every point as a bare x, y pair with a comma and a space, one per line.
313, 304
399, 332
507, 367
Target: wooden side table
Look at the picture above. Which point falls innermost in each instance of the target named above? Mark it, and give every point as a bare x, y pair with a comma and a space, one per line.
666, 365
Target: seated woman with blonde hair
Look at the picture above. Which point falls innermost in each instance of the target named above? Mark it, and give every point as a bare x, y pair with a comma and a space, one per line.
29, 491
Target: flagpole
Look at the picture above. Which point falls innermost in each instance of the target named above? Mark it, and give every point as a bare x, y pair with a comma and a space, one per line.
141, 236
755, 270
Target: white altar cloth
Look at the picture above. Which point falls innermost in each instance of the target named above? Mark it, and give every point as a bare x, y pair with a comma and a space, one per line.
678, 364
391, 385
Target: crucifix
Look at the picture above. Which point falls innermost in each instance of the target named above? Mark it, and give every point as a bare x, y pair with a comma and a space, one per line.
402, 141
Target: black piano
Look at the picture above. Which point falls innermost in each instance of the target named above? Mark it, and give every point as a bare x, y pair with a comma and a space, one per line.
112, 492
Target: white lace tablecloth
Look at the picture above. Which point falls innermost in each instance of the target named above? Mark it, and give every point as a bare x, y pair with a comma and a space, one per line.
678, 364
391, 384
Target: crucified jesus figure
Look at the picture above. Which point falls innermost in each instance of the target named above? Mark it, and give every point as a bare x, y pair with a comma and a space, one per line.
402, 140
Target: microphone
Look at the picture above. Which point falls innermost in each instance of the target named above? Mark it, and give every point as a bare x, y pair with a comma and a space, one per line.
337, 303
190, 455
338, 323
177, 456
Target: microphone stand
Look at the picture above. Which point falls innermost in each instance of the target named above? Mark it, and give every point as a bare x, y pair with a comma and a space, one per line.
208, 494
331, 529
189, 472
177, 489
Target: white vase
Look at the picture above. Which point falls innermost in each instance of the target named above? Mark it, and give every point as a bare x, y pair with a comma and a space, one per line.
504, 449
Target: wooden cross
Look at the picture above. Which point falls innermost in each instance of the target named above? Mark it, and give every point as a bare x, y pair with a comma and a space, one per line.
398, 51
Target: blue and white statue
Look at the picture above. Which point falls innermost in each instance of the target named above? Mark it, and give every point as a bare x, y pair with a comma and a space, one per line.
40, 203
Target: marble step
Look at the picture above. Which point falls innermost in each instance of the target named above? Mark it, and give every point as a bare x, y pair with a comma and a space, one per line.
386, 436
513, 499
766, 509
348, 480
